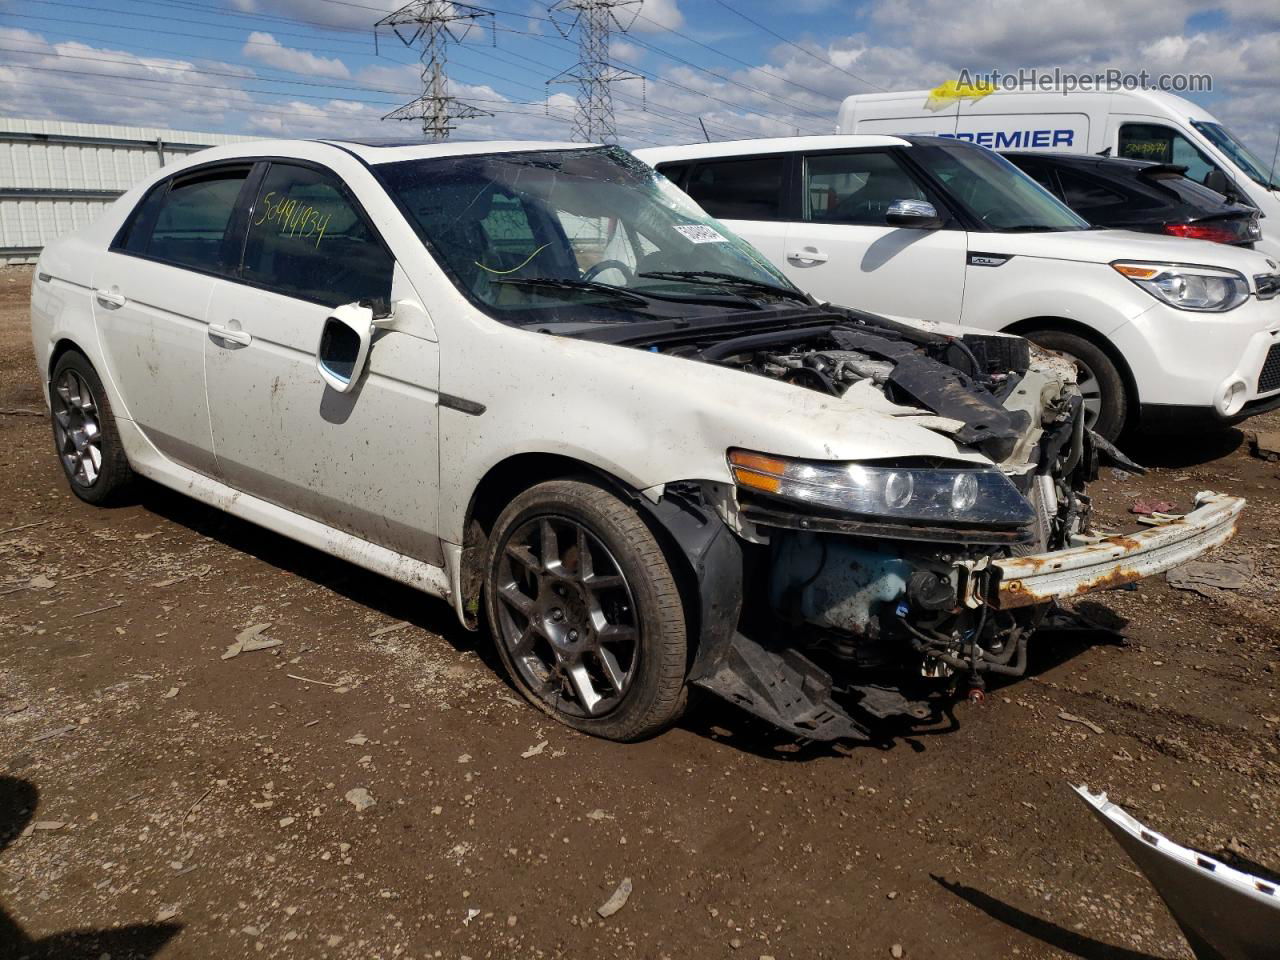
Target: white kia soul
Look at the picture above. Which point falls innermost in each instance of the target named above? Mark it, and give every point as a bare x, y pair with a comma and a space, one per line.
1164, 330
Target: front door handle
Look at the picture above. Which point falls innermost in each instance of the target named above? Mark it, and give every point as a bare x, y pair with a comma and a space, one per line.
241, 337
109, 299
807, 255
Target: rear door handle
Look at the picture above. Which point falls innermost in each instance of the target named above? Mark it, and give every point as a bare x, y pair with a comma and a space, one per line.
233, 336
109, 299
808, 255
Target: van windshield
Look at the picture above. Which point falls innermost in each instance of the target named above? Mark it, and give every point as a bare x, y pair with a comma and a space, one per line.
578, 235
1240, 155
992, 190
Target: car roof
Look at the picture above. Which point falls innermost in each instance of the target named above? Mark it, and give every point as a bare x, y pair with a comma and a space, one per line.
393, 151
374, 152
742, 148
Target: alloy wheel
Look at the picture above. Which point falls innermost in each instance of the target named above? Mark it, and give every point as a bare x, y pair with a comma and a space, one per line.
567, 617
1091, 390
77, 429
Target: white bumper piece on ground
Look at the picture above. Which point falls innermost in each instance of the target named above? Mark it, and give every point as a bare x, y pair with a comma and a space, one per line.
1110, 562
1224, 913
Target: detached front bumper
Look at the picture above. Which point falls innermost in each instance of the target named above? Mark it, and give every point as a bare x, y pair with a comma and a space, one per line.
1111, 562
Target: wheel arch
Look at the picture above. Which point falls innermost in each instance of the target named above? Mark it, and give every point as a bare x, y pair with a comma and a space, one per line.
1085, 332
519, 472
61, 347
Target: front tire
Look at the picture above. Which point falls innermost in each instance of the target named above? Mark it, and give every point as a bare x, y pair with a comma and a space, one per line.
1106, 398
585, 612
84, 431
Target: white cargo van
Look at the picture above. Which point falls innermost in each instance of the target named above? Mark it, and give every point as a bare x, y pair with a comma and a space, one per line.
1138, 124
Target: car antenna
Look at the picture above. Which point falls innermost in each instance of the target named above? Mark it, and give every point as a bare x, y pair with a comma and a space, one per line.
1271, 177
1104, 152
704, 129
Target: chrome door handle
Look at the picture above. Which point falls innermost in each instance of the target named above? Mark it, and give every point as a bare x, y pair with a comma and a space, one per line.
109, 299
808, 255
233, 336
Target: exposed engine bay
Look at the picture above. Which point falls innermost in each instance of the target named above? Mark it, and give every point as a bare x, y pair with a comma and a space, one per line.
893, 618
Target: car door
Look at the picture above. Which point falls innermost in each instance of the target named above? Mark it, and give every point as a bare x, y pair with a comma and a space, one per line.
842, 248
150, 294
748, 195
367, 461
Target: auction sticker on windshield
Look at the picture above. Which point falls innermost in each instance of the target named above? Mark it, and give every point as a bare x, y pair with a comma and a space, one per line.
697, 233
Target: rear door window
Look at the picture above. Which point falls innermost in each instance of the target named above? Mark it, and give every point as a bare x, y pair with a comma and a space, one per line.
856, 187
1084, 193
308, 239
1040, 172
189, 224
674, 172
739, 189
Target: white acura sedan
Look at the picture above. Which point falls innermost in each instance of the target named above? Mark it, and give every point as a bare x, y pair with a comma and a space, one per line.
537, 381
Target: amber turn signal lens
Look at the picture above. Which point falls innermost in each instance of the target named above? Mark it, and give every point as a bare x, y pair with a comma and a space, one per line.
1134, 271
757, 471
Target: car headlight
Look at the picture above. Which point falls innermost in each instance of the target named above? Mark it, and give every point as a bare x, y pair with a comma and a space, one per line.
1202, 289
950, 496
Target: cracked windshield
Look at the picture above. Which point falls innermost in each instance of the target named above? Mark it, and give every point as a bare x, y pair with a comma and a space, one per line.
562, 235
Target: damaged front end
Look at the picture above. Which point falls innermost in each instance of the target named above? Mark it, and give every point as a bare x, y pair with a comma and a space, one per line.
874, 591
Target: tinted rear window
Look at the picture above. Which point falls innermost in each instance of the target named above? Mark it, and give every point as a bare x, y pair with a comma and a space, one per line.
192, 219
739, 189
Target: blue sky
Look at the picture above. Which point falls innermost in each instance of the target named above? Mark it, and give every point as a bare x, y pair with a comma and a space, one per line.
309, 67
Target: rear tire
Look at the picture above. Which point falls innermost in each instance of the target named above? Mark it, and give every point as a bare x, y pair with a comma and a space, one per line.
85, 436
585, 612
1105, 393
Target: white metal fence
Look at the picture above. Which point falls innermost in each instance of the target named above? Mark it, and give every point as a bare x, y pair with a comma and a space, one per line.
56, 176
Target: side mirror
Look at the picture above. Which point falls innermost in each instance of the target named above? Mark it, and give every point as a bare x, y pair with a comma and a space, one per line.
918, 214
344, 345
1219, 182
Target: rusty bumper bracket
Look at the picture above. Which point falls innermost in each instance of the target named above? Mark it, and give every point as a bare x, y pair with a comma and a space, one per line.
1112, 561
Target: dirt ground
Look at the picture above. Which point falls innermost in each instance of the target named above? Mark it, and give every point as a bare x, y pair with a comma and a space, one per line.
157, 800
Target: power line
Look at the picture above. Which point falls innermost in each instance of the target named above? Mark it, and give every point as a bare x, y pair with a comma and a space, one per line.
792, 43
434, 24
738, 60
151, 16
42, 86
535, 38
660, 79
337, 85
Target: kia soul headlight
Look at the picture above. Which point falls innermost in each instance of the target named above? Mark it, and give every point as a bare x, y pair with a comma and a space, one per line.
1201, 289
961, 495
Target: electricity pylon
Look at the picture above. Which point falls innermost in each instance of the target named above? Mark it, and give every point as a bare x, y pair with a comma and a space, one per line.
434, 23
593, 21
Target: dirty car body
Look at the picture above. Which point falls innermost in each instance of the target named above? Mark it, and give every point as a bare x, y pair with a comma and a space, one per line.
539, 382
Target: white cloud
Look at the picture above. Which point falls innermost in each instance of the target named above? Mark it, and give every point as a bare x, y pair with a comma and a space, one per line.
362, 14
267, 50
656, 15
622, 50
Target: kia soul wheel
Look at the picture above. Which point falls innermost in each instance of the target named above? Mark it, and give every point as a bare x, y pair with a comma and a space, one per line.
84, 431
585, 612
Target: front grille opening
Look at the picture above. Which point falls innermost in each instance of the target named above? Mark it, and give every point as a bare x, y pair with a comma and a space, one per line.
1269, 379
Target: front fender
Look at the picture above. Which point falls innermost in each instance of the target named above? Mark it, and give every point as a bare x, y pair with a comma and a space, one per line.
646, 418
1024, 288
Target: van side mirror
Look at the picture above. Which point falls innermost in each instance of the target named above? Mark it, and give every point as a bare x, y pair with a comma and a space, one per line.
919, 214
1219, 182
344, 345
